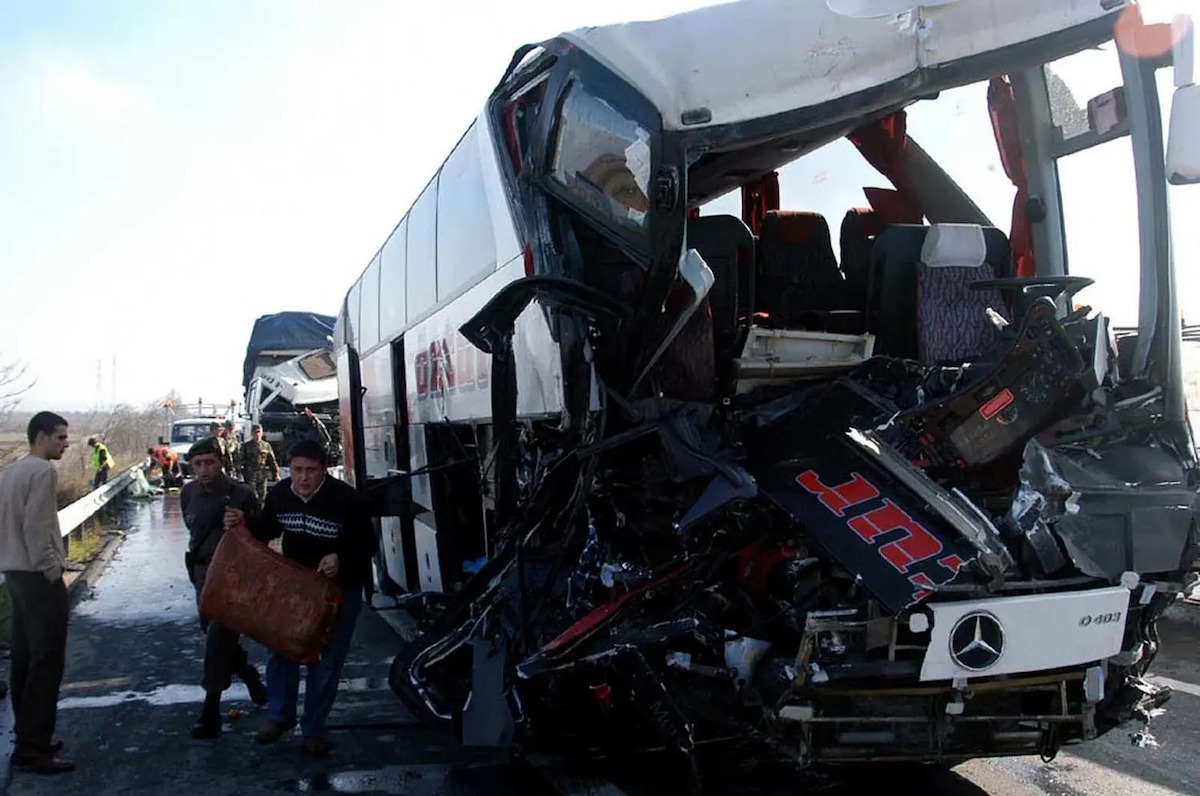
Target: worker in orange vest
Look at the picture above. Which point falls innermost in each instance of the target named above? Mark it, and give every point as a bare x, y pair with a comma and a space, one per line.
168, 462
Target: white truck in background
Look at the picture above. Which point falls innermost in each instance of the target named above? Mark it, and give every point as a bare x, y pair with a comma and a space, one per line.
186, 431
290, 377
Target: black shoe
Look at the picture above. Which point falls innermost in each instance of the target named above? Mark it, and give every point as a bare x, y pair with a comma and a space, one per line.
45, 763
209, 724
206, 728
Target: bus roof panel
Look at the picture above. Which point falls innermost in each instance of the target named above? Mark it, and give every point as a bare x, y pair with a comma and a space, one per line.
758, 58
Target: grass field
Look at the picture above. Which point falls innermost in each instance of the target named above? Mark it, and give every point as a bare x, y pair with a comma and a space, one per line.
84, 547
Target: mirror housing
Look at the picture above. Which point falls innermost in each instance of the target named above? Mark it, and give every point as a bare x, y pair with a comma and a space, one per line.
1183, 134
1183, 138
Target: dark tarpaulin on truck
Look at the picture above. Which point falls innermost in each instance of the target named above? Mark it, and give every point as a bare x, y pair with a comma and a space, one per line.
286, 331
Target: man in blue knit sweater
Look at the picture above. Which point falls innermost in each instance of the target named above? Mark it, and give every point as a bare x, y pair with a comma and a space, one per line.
325, 525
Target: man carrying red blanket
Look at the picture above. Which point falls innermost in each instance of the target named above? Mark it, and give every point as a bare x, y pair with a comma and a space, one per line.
326, 526
204, 503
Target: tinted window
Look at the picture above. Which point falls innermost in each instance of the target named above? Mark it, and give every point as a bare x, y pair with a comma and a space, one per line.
466, 244
368, 311
191, 432
421, 284
603, 159
378, 399
392, 306
353, 338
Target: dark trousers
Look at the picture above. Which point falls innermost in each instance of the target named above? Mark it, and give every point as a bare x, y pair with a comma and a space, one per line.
39, 648
224, 655
101, 478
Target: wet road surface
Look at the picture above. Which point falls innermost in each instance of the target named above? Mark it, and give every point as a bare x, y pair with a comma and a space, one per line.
131, 694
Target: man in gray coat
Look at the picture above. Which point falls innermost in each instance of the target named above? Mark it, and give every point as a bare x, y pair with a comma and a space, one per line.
32, 559
203, 503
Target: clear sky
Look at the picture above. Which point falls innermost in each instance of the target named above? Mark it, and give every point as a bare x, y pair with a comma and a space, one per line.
169, 171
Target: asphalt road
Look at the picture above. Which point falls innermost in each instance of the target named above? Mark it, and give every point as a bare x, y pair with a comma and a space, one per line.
131, 693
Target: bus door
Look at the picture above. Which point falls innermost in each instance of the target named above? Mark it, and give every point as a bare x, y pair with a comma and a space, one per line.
386, 462
397, 542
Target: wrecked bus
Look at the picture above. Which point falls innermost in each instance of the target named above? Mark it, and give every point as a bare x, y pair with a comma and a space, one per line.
658, 477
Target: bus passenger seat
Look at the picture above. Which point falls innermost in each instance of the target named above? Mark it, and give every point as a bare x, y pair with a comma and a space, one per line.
800, 273
953, 324
727, 245
687, 370
859, 228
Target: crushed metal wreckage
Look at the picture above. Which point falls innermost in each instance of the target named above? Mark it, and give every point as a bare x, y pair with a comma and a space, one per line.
898, 562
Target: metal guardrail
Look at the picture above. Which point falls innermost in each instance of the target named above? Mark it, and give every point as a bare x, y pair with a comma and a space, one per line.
79, 512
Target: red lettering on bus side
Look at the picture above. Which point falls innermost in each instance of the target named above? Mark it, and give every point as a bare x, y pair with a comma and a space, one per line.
838, 498
466, 360
421, 366
436, 383
915, 546
952, 563
450, 372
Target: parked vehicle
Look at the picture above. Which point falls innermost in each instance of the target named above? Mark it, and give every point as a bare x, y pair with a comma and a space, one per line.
291, 384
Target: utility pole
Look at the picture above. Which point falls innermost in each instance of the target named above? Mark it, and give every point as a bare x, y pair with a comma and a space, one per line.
99, 397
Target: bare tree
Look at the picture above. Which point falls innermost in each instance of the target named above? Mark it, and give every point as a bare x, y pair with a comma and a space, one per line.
13, 384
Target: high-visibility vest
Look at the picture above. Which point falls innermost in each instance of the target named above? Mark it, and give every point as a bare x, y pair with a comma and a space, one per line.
101, 456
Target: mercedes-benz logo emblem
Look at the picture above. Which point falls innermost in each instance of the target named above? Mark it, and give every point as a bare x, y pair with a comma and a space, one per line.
977, 641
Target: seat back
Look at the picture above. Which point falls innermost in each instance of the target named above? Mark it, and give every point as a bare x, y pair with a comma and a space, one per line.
892, 289
860, 226
727, 245
952, 318
799, 272
893, 278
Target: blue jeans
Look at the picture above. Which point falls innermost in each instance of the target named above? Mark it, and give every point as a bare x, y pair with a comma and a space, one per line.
321, 683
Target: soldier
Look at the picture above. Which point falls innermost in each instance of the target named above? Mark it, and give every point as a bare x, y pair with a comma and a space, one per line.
233, 452
258, 459
203, 503
218, 435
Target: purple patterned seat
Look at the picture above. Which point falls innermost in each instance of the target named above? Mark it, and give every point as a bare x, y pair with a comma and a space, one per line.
953, 324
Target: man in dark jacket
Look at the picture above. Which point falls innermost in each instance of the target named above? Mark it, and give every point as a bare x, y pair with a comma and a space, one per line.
325, 526
204, 503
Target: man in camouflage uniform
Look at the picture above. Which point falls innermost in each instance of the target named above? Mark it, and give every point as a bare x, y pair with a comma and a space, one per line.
218, 434
233, 452
258, 460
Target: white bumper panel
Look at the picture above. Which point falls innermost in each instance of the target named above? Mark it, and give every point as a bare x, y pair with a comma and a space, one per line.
1010, 635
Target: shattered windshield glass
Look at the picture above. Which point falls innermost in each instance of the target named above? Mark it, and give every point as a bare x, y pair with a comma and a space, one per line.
318, 366
602, 158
